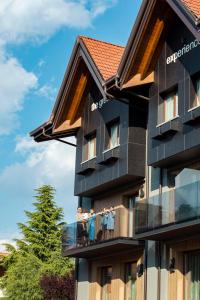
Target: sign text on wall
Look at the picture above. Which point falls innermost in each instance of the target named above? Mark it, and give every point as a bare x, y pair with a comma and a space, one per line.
186, 48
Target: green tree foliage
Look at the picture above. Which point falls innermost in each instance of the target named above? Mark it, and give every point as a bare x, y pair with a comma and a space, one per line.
42, 233
38, 253
22, 279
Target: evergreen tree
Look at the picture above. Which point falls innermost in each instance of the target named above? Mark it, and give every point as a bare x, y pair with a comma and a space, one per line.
42, 232
38, 253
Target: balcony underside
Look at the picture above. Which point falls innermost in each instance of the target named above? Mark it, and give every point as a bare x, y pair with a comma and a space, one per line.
104, 247
171, 232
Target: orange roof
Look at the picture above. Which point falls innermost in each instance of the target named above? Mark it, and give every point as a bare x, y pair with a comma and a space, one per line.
106, 56
193, 6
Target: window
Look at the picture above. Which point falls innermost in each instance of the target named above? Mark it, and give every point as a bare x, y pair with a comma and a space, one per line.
195, 100
192, 276
113, 135
106, 278
130, 281
89, 149
168, 107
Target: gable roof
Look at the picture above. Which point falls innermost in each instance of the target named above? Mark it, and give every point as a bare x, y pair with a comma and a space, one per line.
193, 6
149, 29
106, 56
90, 57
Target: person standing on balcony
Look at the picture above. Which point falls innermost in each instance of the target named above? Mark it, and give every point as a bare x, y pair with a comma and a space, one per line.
91, 226
104, 223
79, 219
85, 217
111, 222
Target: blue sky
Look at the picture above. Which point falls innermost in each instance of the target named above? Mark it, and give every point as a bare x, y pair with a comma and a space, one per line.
36, 40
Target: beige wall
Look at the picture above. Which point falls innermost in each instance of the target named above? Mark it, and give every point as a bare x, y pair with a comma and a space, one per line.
177, 279
118, 267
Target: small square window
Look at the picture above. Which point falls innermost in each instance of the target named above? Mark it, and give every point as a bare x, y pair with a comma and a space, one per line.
89, 148
113, 135
195, 99
168, 107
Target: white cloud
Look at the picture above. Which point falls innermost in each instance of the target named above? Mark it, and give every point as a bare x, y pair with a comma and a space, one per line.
41, 18
15, 83
41, 63
38, 20
40, 164
47, 91
6, 241
22, 21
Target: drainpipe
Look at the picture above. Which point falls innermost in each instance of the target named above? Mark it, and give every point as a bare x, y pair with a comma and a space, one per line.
108, 94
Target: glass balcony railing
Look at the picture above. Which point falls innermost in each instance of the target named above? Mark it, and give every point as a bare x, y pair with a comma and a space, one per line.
91, 232
176, 206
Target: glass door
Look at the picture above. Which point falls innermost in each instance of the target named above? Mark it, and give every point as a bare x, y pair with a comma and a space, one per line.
192, 276
131, 204
106, 279
130, 281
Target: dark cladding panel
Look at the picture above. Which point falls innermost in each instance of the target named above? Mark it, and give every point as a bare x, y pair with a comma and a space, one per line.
126, 162
161, 71
136, 154
177, 68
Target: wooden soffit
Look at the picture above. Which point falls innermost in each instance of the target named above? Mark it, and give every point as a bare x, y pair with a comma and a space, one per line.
71, 110
144, 56
137, 80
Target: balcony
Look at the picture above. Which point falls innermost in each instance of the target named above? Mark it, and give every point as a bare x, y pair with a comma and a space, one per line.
170, 214
79, 241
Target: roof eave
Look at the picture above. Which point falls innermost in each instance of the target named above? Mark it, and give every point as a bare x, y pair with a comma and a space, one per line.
129, 48
181, 10
186, 16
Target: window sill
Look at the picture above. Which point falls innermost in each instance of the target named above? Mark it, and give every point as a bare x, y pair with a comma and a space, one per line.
192, 116
168, 128
109, 156
165, 122
110, 149
85, 161
193, 108
87, 167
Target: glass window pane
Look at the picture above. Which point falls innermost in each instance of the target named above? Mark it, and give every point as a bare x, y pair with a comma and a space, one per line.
161, 112
106, 279
197, 92
91, 147
193, 276
169, 107
130, 281
114, 135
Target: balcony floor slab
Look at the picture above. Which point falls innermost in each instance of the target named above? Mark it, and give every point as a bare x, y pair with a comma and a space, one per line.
104, 247
171, 232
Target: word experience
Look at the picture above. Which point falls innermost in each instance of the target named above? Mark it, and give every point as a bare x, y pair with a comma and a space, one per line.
187, 48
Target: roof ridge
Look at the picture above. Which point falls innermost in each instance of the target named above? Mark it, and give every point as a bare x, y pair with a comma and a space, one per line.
104, 42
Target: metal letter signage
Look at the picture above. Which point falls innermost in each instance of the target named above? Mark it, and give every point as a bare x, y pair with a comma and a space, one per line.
99, 104
186, 48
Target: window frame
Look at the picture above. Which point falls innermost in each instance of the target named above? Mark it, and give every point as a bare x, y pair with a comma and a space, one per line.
86, 146
104, 283
108, 143
196, 97
163, 97
127, 289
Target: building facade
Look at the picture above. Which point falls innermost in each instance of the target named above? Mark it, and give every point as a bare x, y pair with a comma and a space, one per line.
135, 114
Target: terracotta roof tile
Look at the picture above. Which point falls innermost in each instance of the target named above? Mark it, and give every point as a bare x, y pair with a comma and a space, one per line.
193, 6
106, 56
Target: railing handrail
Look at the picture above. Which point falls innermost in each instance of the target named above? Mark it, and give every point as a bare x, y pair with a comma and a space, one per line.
174, 206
